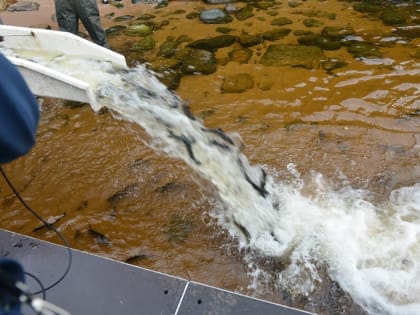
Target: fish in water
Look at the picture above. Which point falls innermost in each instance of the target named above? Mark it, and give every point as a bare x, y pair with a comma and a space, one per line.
219, 132
243, 230
259, 188
188, 145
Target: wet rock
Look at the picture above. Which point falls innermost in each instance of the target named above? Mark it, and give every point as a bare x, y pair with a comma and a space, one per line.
409, 32
192, 15
263, 5
276, 34
248, 40
178, 229
110, 15
312, 22
302, 32
232, 8
335, 33
118, 5
320, 41
167, 71
281, 21
217, 1
272, 13
392, 17
363, 49
309, 39
366, 7
244, 13
265, 84
237, 83
145, 17
224, 30
138, 30
123, 18
290, 55
213, 43
179, 11
294, 4
184, 39
317, 14
333, 63
170, 78
23, 6
115, 29
240, 55
161, 4
215, 16
162, 23
168, 48
147, 43
197, 61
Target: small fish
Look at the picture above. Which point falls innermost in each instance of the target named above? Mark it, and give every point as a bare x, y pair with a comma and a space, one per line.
188, 145
187, 111
219, 132
259, 188
243, 230
99, 237
220, 145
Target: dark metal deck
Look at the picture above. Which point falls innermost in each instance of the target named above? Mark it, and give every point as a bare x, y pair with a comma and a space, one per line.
97, 285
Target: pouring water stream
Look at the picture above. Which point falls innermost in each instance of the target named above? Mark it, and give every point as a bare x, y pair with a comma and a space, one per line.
371, 250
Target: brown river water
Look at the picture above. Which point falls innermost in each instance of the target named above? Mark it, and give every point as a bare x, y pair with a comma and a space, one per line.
341, 149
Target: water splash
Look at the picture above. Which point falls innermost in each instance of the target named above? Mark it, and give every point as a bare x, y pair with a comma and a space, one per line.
371, 250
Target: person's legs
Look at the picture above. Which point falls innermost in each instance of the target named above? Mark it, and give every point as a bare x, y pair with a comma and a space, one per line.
67, 17
89, 15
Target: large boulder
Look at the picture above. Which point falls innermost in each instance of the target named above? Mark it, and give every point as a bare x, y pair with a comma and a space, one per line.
213, 43
197, 61
215, 16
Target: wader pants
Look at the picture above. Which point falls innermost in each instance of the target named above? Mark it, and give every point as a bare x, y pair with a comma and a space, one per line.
69, 12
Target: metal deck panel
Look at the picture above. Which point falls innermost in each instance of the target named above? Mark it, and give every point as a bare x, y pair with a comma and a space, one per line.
203, 299
97, 285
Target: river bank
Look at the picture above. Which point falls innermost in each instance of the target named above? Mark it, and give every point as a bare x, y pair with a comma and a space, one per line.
340, 146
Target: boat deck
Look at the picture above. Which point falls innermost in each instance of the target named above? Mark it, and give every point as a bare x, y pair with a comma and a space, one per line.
98, 285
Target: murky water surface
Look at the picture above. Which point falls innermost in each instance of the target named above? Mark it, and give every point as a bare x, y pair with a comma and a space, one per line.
341, 149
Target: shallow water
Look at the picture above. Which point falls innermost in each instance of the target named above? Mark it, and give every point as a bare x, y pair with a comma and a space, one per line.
341, 223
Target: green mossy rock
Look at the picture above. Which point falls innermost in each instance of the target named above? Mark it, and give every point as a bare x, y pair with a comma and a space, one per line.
138, 30
197, 61
281, 21
248, 40
290, 55
392, 17
237, 83
276, 34
147, 43
116, 29
241, 55
244, 13
213, 43
362, 49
